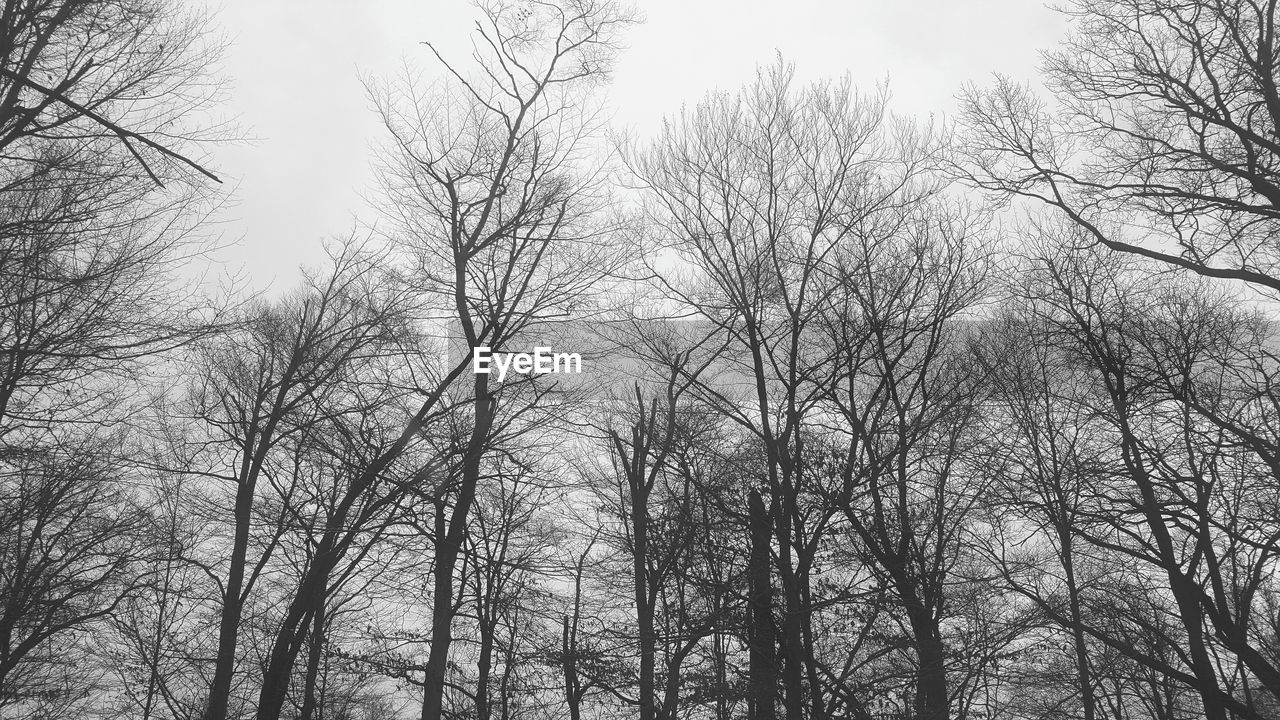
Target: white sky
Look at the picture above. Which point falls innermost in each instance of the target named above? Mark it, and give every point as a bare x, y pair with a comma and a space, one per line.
294, 67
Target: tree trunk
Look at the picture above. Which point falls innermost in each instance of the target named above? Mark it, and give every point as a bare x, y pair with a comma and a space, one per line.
792, 640
232, 608
448, 547
292, 632
643, 601
504, 686
720, 660
931, 685
484, 667
569, 647
314, 653
762, 670
1083, 675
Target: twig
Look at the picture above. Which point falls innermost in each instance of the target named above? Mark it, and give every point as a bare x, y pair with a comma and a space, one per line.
124, 135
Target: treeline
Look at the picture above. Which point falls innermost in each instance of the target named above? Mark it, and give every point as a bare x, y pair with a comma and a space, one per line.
878, 418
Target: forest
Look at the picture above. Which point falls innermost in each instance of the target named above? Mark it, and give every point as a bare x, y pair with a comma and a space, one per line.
874, 417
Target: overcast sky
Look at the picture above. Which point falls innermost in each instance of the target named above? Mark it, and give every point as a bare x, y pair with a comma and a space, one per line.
295, 65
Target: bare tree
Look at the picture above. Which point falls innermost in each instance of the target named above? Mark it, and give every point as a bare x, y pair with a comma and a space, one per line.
90, 249
275, 384
496, 198
764, 194
1162, 142
67, 561
639, 460
1178, 505
904, 385
84, 74
1044, 457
